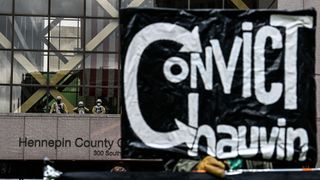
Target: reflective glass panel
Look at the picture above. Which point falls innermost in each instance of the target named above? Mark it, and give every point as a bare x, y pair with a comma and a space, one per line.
110, 30
67, 7
5, 66
30, 32
5, 6
262, 4
70, 96
5, 32
102, 8
135, 3
30, 67
205, 4
4, 99
31, 99
39, 7
65, 68
65, 34
183, 4
102, 70
109, 97
251, 4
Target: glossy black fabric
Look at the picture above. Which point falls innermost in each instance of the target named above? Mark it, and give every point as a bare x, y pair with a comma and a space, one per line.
162, 101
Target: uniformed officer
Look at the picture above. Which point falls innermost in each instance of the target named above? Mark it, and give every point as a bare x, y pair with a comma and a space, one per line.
98, 108
81, 109
58, 107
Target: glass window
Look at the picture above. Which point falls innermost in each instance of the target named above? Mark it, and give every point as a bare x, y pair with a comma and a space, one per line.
143, 3
231, 4
39, 7
108, 8
64, 68
5, 6
251, 4
183, 4
30, 32
102, 70
261, 4
108, 28
31, 99
48, 57
67, 8
5, 66
70, 96
5, 99
30, 67
65, 34
109, 97
205, 4
5, 32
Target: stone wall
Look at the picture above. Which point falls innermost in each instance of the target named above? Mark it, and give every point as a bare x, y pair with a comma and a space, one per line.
59, 137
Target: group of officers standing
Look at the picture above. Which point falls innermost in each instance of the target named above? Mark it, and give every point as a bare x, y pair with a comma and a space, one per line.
59, 107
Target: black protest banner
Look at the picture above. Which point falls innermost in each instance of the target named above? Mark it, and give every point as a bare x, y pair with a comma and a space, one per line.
219, 82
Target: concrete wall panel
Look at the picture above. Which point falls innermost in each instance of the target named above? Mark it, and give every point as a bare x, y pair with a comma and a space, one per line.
12, 128
43, 129
109, 132
290, 4
75, 130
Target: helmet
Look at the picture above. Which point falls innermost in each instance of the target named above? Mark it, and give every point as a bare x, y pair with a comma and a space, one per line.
80, 103
58, 99
99, 101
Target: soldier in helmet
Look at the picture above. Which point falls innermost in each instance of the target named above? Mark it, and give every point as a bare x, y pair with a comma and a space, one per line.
81, 109
58, 107
98, 108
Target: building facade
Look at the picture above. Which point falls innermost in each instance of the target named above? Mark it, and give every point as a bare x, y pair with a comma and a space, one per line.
70, 48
